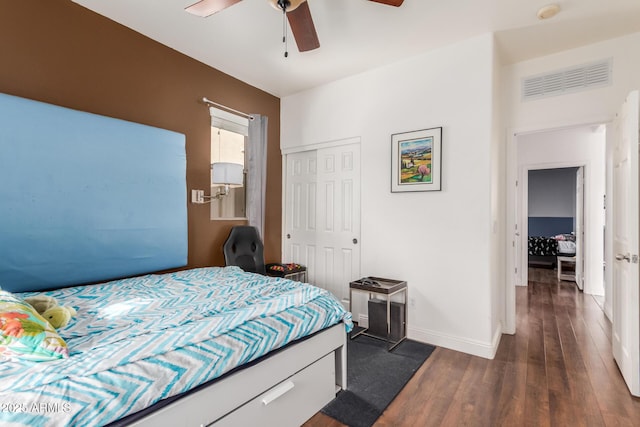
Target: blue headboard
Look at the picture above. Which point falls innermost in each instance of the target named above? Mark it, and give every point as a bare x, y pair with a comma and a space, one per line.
550, 226
85, 198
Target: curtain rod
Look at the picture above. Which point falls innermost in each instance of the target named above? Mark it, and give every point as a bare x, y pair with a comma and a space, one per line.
215, 104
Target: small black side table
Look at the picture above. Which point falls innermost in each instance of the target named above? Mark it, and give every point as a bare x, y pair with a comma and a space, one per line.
386, 288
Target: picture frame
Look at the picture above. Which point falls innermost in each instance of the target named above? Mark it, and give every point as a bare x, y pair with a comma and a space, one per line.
416, 160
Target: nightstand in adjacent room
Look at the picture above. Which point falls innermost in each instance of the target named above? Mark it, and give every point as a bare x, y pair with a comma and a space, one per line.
567, 268
387, 319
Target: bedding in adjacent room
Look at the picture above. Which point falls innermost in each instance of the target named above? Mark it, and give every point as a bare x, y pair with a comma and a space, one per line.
137, 341
566, 247
543, 246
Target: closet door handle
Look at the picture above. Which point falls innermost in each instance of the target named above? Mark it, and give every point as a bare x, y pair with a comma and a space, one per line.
621, 257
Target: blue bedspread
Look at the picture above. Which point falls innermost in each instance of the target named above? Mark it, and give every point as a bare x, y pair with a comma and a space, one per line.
137, 341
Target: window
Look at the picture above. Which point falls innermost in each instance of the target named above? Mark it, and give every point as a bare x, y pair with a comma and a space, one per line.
228, 138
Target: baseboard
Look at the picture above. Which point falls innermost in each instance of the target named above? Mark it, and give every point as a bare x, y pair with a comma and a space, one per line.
495, 342
483, 349
465, 345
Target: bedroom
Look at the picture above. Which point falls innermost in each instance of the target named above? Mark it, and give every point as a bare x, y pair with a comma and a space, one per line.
552, 215
65, 55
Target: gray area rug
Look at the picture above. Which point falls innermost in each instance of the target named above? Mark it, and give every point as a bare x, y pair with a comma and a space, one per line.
375, 377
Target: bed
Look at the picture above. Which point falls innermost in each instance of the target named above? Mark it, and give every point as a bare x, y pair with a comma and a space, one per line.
138, 341
550, 237
95, 199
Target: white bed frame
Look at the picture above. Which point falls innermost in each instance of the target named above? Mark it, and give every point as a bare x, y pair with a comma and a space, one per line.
285, 389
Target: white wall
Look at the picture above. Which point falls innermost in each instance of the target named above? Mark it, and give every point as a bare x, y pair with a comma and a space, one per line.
588, 107
440, 242
452, 246
591, 106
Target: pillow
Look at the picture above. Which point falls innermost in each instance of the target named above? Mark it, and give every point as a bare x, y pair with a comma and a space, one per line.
25, 335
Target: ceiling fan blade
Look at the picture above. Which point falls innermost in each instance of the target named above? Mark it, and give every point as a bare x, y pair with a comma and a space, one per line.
302, 28
206, 8
395, 3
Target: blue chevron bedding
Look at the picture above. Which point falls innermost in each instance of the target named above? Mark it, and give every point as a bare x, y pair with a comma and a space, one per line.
137, 341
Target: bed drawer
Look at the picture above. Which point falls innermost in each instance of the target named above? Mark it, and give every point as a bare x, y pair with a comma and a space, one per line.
291, 402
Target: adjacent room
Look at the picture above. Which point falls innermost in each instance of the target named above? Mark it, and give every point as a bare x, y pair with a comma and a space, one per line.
319, 213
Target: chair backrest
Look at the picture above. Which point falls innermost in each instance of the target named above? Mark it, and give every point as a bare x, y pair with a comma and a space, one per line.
244, 249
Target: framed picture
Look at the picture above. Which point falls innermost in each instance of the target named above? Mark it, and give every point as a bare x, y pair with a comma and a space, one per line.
416, 160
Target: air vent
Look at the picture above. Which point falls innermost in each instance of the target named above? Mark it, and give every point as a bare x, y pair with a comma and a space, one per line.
569, 80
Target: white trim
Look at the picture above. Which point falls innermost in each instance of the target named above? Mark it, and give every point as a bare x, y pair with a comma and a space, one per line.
478, 348
524, 214
363, 320
511, 206
465, 345
319, 145
283, 206
523, 195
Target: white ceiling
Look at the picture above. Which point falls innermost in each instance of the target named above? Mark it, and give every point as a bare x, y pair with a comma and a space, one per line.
245, 40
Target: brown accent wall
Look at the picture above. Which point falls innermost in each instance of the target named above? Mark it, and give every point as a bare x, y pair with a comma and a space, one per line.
58, 52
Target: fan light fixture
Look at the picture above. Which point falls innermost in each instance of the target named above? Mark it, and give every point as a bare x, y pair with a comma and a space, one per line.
548, 11
227, 175
287, 5
206, 8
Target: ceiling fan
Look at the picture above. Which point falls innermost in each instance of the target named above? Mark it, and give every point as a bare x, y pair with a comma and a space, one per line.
297, 11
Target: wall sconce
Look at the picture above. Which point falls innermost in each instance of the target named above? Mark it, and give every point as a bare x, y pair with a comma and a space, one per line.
226, 174
222, 174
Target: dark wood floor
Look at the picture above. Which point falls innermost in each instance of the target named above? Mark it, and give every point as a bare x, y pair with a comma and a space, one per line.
556, 371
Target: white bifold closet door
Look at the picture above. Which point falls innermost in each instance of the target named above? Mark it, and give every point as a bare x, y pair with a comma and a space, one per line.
322, 215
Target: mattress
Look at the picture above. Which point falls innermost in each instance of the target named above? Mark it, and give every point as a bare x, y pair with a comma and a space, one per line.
140, 340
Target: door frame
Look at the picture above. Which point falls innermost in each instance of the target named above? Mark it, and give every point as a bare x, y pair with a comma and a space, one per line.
523, 193
513, 173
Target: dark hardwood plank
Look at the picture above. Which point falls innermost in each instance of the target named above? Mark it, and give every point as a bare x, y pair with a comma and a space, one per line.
536, 408
321, 420
427, 406
557, 370
581, 394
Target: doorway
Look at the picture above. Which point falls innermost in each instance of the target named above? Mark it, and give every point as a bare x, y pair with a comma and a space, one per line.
581, 146
557, 148
553, 218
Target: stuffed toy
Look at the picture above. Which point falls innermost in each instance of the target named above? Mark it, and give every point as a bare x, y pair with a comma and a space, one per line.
59, 316
41, 302
48, 308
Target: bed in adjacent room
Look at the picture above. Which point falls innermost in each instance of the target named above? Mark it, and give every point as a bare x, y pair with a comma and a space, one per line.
97, 199
550, 237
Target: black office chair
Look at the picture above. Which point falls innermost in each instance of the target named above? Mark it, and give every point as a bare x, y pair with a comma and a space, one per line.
244, 249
